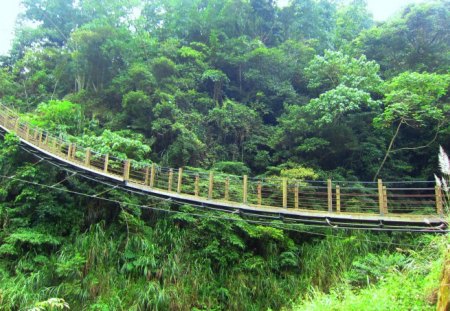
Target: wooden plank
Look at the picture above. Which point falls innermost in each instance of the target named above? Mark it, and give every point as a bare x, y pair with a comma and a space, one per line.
87, 158
227, 189
285, 192
106, 164
259, 193
338, 198
385, 200
180, 179
296, 197
330, 195
169, 183
244, 189
439, 204
152, 175
27, 132
380, 197
196, 185
211, 185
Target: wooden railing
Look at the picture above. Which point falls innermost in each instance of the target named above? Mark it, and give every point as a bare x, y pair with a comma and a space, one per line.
383, 198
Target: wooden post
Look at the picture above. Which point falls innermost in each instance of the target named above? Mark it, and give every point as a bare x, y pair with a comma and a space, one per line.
180, 179
69, 151
338, 198
296, 196
169, 184
385, 201
46, 139
330, 195
27, 131
211, 185
147, 175
259, 193
244, 189
380, 197
87, 159
227, 189
285, 192
40, 138
152, 175
196, 185
74, 152
439, 206
106, 164
16, 126
126, 170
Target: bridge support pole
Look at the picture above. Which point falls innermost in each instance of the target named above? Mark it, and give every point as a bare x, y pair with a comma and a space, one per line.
211, 185
27, 132
87, 159
439, 205
126, 170
74, 152
380, 197
338, 199
259, 193
46, 140
147, 175
285, 192
152, 175
69, 151
196, 185
244, 189
330, 195
169, 184
227, 189
180, 179
16, 126
106, 164
40, 138
296, 198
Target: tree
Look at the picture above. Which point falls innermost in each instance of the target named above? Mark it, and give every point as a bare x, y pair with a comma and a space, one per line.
350, 21
416, 41
334, 68
413, 100
219, 80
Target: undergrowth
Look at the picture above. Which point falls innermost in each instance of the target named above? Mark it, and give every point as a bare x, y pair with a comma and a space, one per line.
406, 279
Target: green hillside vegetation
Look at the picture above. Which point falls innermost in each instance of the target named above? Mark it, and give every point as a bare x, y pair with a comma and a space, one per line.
310, 91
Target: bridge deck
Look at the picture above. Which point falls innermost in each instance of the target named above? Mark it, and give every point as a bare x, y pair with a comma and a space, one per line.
290, 201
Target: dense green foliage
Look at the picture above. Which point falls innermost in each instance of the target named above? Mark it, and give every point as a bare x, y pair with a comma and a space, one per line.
316, 83
308, 91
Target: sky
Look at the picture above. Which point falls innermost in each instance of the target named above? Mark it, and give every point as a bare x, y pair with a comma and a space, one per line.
381, 10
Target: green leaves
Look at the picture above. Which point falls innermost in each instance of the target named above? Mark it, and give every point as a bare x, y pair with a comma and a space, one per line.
59, 116
335, 68
332, 106
33, 237
415, 97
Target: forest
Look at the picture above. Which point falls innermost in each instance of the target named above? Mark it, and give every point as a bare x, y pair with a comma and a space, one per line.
314, 90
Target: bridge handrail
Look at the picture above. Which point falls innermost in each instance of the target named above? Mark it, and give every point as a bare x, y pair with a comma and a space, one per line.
261, 192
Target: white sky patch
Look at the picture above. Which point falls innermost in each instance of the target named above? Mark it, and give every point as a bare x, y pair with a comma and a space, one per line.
8, 14
381, 10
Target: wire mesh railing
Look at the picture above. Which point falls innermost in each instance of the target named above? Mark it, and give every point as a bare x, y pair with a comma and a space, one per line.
420, 197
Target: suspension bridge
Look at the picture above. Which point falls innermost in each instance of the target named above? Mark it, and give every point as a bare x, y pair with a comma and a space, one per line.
392, 206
